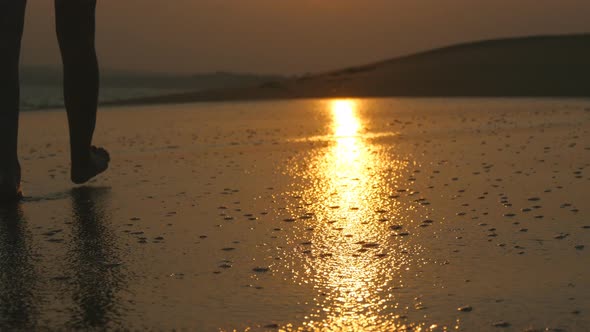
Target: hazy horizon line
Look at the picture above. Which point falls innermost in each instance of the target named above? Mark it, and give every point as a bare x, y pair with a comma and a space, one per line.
118, 70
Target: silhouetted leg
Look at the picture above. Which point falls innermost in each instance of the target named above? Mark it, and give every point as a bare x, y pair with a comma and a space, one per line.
75, 25
12, 14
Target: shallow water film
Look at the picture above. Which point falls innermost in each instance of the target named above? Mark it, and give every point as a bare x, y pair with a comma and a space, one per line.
311, 215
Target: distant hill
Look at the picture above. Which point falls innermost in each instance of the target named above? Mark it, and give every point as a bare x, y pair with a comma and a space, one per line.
526, 66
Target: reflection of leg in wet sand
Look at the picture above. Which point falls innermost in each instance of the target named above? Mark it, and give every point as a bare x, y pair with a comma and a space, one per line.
17, 275
75, 23
94, 261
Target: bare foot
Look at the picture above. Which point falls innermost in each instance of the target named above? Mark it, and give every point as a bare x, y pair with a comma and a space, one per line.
10, 190
97, 162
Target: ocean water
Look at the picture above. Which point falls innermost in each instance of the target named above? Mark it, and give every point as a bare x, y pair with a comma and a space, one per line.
34, 97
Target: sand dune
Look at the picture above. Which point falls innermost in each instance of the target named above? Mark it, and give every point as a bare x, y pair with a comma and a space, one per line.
531, 66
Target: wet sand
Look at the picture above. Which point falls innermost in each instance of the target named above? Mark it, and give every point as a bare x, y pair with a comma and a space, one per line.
377, 214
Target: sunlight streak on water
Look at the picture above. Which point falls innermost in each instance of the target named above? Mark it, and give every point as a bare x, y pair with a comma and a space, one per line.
352, 259
346, 121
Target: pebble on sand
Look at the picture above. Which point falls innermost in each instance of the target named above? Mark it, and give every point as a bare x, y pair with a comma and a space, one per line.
501, 324
466, 308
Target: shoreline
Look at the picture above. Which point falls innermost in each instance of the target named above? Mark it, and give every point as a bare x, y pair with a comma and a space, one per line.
146, 103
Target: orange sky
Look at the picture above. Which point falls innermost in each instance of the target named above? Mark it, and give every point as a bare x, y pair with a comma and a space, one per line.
292, 36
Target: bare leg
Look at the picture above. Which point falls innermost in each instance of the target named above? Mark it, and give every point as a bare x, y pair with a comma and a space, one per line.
12, 15
75, 25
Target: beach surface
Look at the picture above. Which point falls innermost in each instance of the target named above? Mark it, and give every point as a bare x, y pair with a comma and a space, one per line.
321, 214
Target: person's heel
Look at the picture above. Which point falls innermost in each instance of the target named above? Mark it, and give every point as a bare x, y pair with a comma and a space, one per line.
97, 163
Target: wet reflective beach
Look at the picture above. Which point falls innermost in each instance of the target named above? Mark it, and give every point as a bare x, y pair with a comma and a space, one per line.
344, 214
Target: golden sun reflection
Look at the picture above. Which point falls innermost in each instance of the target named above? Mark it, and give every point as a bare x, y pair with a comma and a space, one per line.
346, 122
350, 191
354, 263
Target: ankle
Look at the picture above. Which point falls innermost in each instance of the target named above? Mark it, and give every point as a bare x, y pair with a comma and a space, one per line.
80, 159
11, 168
